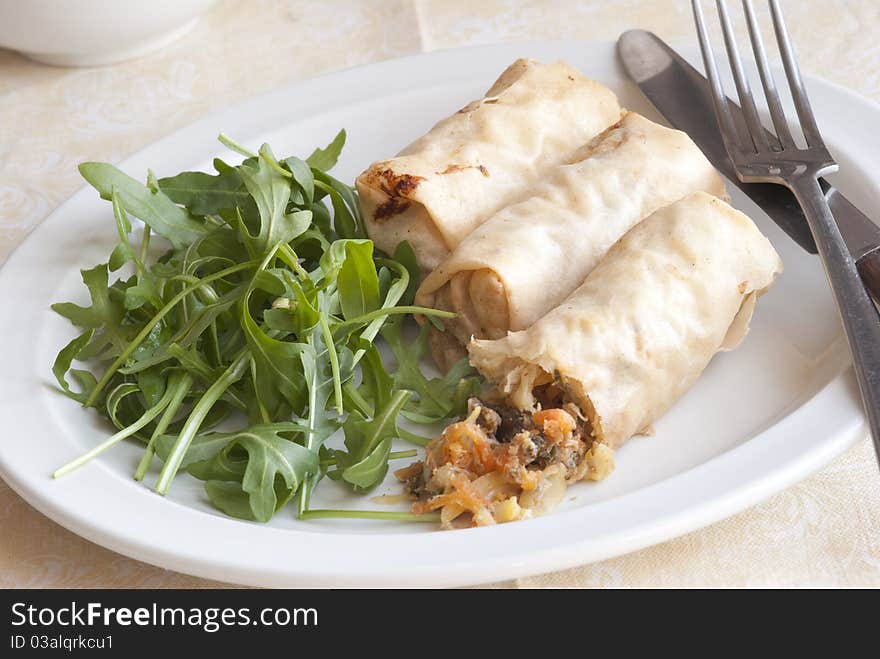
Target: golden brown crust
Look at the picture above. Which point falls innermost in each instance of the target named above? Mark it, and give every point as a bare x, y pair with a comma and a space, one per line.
397, 187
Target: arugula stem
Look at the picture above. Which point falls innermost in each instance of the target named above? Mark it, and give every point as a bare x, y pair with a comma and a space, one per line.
203, 373
375, 325
320, 185
232, 145
208, 294
123, 227
230, 376
145, 332
261, 408
334, 362
180, 385
128, 431
394, 455
319, 513
413, 438
145, 244
380, 314
212, 344
274, 164
209, 297
286, 253
362, 404
304, 495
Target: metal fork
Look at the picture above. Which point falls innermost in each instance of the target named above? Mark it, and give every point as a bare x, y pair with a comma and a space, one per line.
758, 158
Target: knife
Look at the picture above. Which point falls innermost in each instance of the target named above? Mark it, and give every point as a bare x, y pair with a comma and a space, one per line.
682, 95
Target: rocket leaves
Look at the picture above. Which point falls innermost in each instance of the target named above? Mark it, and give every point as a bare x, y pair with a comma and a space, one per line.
357, 280
153, 207
368, 441
326, 158
436, 398
270, 190
263, 315
205, 194
260, 464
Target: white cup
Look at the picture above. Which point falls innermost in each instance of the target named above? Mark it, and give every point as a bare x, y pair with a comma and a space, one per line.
94, 32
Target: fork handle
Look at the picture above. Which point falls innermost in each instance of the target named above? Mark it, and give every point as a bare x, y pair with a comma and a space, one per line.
861, 321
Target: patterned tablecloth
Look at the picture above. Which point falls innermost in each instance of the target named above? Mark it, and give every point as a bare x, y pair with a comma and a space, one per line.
824, 531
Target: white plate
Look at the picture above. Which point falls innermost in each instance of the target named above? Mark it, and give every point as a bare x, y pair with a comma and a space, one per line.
759, 418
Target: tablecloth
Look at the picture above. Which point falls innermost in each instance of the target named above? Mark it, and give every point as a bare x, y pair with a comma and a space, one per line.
824, 531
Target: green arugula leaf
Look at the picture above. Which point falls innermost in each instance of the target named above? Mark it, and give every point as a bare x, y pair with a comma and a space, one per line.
271, 193
319, 383
376, 384
438, 398
152, 383
365, 463
406, 256
346, 210
357, 280
324, 159
118, 407
271, 458
206, 446
122, 253
335, 255
153, 207
230, 498
93, 316
278, 374
367, 473
62, 366
304, 179
105, 313
204, 194
143, 291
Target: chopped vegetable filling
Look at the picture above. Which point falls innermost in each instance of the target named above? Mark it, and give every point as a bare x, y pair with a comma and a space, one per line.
500, 464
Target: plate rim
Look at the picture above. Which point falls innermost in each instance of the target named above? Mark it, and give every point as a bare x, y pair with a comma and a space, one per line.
649, 530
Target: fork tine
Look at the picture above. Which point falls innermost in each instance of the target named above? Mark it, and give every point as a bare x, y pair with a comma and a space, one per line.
719, 98
743, 89
792, 72
769, 84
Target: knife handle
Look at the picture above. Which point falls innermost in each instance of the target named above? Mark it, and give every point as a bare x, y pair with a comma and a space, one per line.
869, 269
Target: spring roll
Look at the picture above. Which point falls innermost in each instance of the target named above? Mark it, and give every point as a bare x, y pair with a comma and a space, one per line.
677, 288
445, 184
529, 256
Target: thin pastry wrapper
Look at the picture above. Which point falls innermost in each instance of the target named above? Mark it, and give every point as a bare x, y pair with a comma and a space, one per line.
676, 289
443, 185
525, 259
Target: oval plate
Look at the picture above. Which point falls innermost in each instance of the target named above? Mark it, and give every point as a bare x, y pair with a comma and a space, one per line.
759, 419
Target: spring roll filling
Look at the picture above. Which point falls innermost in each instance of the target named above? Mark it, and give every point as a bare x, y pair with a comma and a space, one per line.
502, 464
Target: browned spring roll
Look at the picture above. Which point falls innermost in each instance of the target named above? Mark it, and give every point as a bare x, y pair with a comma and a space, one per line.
443, 185
624, 346
600, 367
529, 256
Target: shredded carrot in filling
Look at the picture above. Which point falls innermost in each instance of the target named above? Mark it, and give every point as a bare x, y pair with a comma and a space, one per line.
464, 445
462, 495
500, 464
556, 424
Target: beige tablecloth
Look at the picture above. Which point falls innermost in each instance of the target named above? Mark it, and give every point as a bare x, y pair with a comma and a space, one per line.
824, 531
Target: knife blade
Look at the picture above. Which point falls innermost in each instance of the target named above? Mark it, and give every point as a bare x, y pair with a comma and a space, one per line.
682, 95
